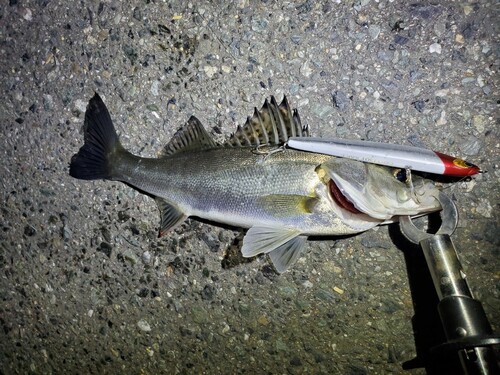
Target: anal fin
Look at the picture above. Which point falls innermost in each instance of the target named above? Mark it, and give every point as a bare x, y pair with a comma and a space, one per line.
170, 216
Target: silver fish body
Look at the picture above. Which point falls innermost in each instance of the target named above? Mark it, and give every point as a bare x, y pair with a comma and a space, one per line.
239, 187
253, 181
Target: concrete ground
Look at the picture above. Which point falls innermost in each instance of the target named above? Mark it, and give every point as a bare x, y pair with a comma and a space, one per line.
85, 284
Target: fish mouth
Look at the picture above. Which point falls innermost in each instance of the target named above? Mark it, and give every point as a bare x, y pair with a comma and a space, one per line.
341, 199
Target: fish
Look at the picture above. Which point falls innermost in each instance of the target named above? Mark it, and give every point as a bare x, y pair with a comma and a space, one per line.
253, 181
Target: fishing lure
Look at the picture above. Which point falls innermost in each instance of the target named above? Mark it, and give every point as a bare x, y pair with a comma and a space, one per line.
392, 155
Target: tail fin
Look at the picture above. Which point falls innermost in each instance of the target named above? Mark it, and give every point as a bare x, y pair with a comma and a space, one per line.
94, 159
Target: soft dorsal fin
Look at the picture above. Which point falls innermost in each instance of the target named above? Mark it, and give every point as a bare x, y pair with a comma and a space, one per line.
272, 125
192, 136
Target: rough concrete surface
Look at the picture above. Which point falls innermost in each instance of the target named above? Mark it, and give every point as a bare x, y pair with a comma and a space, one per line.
85, 284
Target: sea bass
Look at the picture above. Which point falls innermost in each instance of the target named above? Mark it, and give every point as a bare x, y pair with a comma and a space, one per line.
254, 181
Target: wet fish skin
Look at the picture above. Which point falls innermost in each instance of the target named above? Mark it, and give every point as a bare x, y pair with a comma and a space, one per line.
282, 195
227, 185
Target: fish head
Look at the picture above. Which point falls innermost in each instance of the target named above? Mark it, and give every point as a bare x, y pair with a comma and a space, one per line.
378, 191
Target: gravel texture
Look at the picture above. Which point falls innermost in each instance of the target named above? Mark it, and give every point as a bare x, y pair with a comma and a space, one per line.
85, 284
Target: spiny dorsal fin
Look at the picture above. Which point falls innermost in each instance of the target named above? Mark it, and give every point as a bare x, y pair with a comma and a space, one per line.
272, 125
192, 136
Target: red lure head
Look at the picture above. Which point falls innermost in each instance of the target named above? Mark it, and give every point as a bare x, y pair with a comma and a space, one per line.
457, 167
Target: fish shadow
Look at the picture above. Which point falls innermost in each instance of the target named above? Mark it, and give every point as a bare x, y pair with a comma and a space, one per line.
427, 327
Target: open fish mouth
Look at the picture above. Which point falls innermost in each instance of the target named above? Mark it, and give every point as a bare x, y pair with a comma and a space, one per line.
353, 197
380, 199
341, 199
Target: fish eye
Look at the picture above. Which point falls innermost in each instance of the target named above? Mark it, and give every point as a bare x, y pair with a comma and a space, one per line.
401, 175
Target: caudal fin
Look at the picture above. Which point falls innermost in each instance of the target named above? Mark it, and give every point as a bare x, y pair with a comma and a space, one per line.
94, 159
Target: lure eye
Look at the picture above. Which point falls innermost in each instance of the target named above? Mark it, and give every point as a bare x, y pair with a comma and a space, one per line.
401, 175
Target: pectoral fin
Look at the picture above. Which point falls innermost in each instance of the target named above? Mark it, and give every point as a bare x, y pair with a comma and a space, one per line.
287, 254
261, 239
170, 216
288, 205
